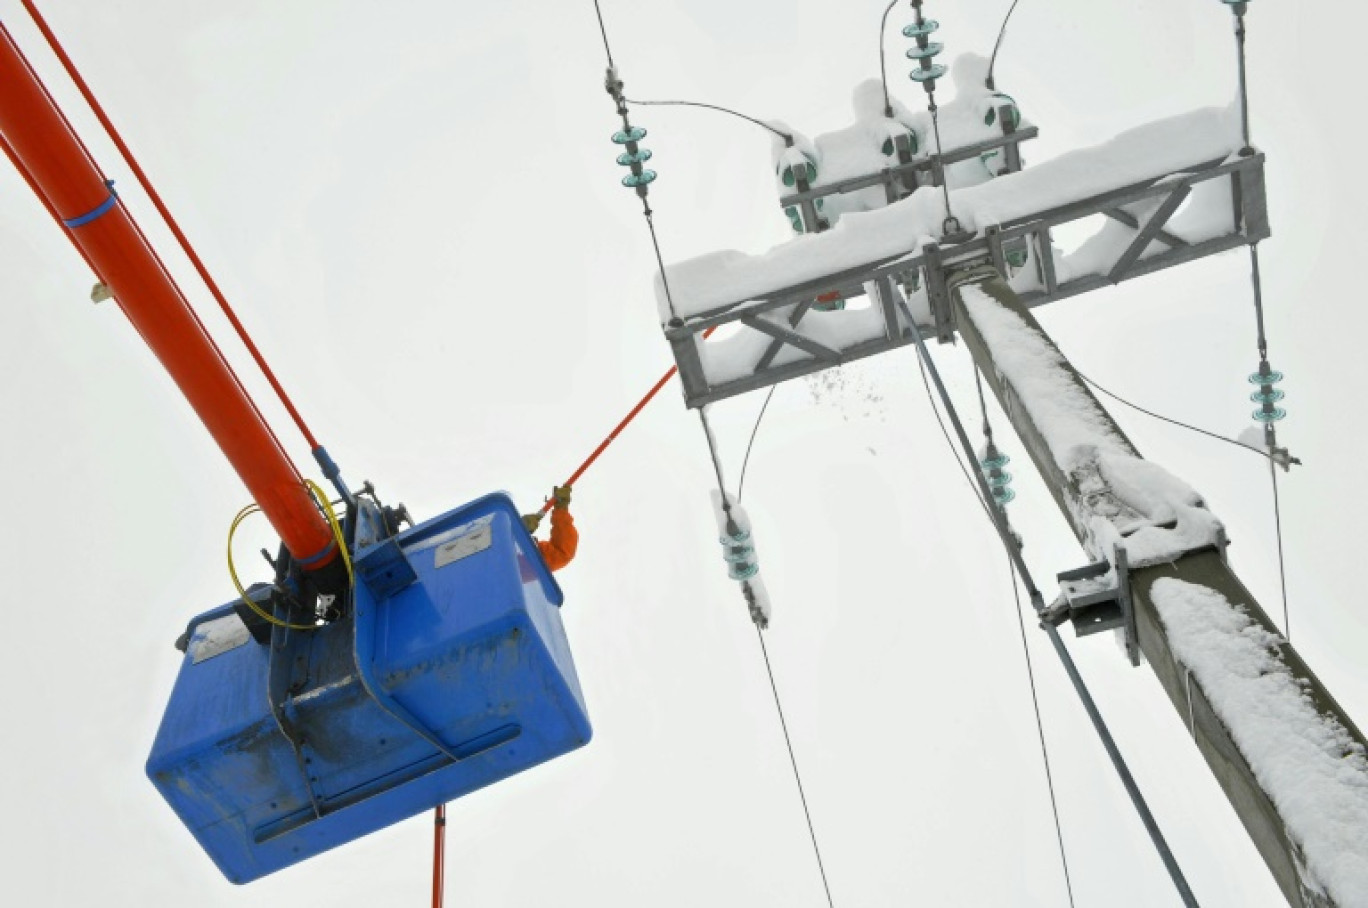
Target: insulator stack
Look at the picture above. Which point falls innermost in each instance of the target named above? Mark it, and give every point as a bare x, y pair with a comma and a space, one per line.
925, 50
903, 135
739, 554
797, 170
1267, 395
999, 480
633, 156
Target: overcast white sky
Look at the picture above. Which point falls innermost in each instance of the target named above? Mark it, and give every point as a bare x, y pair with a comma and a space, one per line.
415, 209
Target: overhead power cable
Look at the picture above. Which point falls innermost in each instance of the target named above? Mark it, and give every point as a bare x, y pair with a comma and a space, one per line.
1021, 623
1038, 604
1266, 377
741, 485
788, 137
997, 45
1121, 400
639, 180
1001, 505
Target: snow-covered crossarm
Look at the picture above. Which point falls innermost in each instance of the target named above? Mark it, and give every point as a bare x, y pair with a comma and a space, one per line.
1288, 758
1172, 191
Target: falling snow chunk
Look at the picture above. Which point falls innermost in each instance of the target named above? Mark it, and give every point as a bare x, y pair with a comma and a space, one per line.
1309, 765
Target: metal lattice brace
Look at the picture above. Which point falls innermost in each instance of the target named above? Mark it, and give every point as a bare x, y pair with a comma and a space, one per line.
780, 314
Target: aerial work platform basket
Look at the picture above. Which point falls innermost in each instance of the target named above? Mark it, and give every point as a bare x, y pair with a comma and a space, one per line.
451, 672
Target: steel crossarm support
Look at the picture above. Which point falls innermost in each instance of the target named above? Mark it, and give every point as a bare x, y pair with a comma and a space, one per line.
930, 267
792, 338
1010, 141
1209, 723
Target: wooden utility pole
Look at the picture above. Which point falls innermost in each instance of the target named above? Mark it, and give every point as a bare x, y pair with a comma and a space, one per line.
1084, 503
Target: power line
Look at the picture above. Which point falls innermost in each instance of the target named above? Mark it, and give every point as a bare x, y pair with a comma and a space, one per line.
740, 486
1121, 400
1021, 624
759, 635
998, 43
720, 109
1038, 604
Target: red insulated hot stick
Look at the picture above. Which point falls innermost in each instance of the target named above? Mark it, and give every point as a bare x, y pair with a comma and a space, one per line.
171, 222
603, 445
57, 164
439, 856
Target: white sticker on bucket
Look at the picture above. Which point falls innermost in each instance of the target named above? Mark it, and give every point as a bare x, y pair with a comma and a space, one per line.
214, 638
477, 540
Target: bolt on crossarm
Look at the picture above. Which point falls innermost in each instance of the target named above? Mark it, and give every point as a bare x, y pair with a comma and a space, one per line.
1091, 469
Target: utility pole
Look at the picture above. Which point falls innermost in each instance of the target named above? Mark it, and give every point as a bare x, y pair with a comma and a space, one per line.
1122, 593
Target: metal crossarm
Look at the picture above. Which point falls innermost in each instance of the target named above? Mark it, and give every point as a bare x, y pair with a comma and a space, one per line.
785, 314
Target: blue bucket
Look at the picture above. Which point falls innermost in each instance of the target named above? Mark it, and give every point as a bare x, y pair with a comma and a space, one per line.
452, 672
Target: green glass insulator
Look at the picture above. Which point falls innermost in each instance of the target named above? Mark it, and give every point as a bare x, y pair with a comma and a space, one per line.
1003, 495
1003, 478
627, 159
1270, 397
890, 145
738, 554
790, 179
1016, 257
740, 537
1272, 378
635, 134
935, 71
1273, 414
925, 53
742, 571
917, 29
1013, 115
633, 180
995, 463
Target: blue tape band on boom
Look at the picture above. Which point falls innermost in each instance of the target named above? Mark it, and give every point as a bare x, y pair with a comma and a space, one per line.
102, 209
318, 556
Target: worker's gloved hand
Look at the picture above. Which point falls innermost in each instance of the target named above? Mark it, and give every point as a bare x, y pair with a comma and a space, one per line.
531, 521
561, 495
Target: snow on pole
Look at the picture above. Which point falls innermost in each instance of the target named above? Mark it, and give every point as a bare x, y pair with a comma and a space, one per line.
1307, 761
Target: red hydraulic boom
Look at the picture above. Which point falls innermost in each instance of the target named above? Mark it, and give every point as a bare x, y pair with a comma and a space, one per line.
37, 137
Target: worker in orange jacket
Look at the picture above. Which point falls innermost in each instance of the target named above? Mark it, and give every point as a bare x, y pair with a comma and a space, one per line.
560, 549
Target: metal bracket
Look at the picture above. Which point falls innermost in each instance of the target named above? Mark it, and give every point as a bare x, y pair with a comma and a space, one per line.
1095, 605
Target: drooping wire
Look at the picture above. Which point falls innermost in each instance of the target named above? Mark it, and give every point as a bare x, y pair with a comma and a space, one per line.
741, 485
720, 109
769, 670
614, 86
992, 61
1061, 651
883, 65
1270, 432
1025, 648
1040, 733
1282, 571
607, 48
1179, 423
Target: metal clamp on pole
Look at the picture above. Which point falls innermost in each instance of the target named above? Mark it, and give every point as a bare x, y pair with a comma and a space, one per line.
1095, 599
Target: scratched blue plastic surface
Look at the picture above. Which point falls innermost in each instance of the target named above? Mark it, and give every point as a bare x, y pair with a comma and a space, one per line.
475, 650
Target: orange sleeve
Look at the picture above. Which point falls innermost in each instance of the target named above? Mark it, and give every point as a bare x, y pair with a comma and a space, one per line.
564, 540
